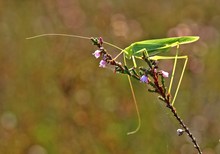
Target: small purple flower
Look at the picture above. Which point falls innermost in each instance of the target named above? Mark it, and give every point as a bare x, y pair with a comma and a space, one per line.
102, 63
144, 79
165, 74
97, 53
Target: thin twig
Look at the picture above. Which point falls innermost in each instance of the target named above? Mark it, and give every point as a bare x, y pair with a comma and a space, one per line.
173, 110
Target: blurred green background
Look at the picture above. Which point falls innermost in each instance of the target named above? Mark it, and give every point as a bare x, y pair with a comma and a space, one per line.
54, 99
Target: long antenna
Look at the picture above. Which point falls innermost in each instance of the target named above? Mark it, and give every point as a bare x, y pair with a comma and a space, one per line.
76, 36
54, 34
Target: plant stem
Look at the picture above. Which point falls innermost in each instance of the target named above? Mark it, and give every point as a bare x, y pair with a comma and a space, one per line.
173, 110
186, 129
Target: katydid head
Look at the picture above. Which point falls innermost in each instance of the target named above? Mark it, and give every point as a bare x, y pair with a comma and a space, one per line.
128, 51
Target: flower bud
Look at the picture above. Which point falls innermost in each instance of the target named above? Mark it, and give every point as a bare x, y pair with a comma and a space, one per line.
180, 132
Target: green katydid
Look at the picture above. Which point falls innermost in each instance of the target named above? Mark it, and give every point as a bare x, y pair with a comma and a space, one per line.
151, 48
156, 46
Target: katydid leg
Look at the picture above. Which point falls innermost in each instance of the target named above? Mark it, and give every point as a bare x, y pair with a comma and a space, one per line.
135, 102
182, 73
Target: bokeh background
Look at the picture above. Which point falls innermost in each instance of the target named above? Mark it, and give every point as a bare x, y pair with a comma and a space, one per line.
54, 99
